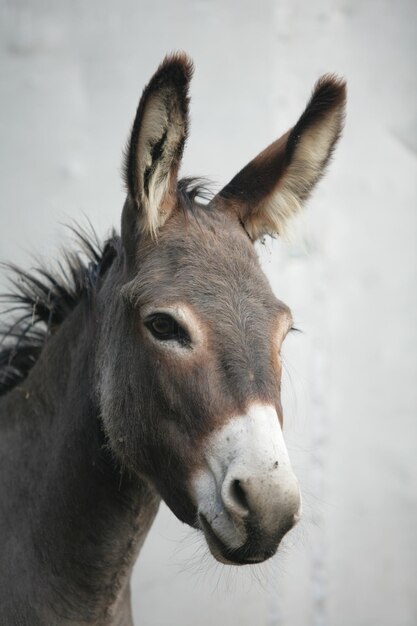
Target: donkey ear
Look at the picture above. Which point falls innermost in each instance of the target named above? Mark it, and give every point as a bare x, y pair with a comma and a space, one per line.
157, 141
272, 187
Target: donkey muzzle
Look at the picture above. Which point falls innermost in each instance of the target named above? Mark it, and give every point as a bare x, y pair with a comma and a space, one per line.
247, 495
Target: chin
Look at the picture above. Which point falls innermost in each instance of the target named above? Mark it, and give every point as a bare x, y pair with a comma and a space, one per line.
249, 553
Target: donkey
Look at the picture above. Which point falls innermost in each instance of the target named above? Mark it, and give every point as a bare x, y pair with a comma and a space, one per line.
149, 368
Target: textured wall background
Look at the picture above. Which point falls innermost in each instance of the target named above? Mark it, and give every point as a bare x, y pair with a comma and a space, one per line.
70, 77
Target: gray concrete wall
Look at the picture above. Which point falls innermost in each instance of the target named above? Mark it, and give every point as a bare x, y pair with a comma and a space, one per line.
70, 77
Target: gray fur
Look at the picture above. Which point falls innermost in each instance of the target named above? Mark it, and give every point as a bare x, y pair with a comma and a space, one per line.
96, 422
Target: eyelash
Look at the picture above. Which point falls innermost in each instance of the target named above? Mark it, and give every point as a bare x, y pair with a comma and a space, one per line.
174, 332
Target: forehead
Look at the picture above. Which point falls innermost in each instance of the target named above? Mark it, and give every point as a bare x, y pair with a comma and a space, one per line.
205, 259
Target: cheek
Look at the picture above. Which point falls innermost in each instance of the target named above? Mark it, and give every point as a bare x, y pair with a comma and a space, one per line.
177, 384
177, 442
189, 387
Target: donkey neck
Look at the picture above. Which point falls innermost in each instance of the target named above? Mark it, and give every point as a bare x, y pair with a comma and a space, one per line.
88, 519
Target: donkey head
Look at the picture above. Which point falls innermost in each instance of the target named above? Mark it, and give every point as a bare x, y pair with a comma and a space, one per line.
190, 346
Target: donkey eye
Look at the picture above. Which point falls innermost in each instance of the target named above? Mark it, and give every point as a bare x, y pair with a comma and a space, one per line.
165, 328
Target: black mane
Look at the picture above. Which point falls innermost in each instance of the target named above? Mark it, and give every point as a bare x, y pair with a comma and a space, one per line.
42, 300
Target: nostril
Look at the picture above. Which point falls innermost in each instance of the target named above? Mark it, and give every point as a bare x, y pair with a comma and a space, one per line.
239, 495
235, 498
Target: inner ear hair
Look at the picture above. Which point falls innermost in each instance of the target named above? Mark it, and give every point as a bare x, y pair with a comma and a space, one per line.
271, 189
312, 140
156, 144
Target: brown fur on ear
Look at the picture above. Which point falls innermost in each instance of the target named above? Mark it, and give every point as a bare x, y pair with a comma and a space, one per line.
157, 141
272, 187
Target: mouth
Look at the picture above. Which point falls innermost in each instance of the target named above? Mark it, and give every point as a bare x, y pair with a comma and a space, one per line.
232, 556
